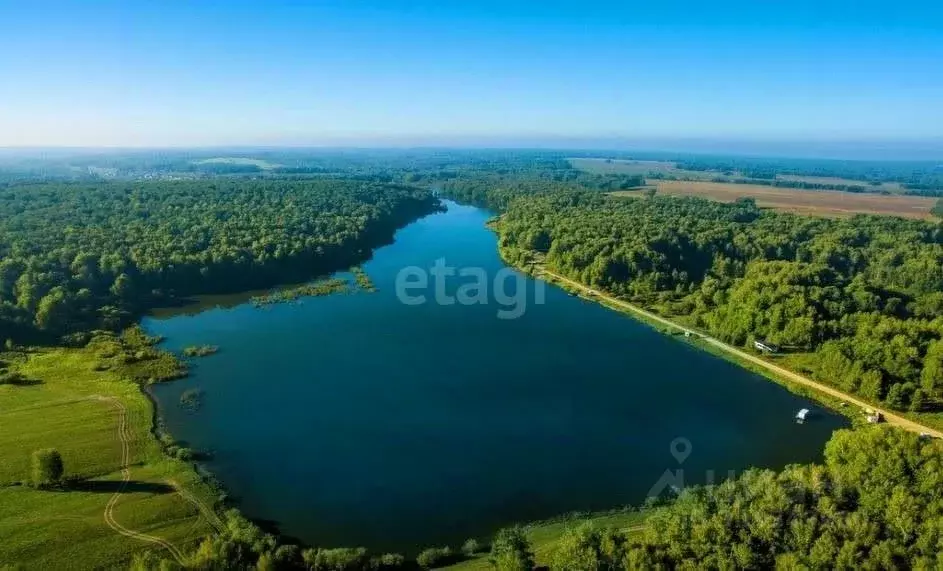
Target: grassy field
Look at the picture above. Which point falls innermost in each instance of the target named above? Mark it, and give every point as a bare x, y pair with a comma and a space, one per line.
543, 537
77, 410
812, 202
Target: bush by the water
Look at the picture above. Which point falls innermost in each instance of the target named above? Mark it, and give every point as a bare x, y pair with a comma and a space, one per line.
314, 289
363, 280
471, 547
134, 354
339, 559
511, 551
433, 557
200, 350
191, 399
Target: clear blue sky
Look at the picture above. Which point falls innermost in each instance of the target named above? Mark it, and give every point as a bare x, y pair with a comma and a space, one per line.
209, 72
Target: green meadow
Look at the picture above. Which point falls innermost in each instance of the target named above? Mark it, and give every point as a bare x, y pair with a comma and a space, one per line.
69, 405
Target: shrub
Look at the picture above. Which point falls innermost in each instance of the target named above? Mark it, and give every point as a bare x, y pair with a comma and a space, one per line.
471, 547
287, 557
191, 399
389, 562
511, 551
433, 556
339, 559
47, 467
11, 378
200, 350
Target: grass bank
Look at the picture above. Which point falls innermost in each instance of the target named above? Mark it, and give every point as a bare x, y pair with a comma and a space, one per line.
102, 423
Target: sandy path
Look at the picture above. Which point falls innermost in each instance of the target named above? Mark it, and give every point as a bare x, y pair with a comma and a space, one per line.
125, 437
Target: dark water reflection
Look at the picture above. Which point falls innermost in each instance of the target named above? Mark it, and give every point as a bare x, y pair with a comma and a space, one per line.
360, 420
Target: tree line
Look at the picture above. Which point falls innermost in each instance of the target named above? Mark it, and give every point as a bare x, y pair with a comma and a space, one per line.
79, 256
863, 296
876, 502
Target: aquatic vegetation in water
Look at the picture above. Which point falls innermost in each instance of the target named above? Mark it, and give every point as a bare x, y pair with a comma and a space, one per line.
191, 399
200, 350
314, 289
363, 280
327, 286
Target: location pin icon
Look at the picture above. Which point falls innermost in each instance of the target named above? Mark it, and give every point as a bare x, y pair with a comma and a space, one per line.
680, 449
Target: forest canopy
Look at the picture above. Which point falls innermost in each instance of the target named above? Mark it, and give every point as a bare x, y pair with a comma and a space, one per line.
864, 295
874, 504
79, 256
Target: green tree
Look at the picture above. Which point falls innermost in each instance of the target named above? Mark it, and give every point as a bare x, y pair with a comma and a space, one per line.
471, 547
122, 288
433, 557
338, 559
389, 562
583, 548
52, 310
510, 551
47, 467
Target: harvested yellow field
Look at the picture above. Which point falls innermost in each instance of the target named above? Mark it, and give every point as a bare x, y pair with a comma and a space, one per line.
812, 202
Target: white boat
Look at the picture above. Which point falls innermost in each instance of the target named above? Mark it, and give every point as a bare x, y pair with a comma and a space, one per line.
802, 414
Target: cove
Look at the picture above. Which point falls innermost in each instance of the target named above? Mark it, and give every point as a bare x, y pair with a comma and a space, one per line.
360, 420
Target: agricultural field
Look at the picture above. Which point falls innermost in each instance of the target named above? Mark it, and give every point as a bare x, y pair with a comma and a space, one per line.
670, 169
101, 515
831, 203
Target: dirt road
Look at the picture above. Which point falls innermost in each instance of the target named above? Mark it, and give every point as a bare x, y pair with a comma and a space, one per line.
890, 417
125, 437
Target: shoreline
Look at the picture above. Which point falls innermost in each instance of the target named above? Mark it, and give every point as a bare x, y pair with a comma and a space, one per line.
536, 271
849, 406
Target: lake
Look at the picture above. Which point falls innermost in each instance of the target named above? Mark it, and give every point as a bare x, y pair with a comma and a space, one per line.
373, 419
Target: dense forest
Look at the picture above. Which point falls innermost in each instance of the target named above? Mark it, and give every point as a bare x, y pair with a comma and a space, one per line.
79, 256
864, 294
876, 503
